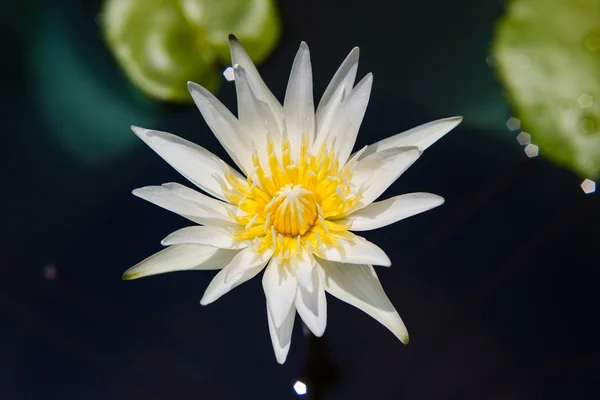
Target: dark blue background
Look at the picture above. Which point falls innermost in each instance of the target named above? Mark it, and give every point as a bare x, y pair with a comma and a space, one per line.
498, 287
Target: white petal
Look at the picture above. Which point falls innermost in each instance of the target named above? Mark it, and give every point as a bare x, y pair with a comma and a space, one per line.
181, 257
281, 336
224, 125
422, 136
207, 235
279, 285
240, 57
347, 119
255, 116
305, 265
298, 105
378, 171
361, 251
196, 163
312, 304
340, 86
218, 287
359, 286
188, 203
246, 259
386, 212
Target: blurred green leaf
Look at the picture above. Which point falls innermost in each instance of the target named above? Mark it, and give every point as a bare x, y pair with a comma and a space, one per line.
162, 44
548, 56
84, 106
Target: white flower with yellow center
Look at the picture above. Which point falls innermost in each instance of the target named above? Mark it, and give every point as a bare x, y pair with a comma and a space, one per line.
300, 196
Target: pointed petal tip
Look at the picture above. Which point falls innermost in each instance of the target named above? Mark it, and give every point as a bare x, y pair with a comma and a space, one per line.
404, 338
194, 87
137, 192
233, 38
400, 331
142, 192
129, 276
457, 119
318, 333
386, 262
137, 130
143, 133
436, 199
209, 296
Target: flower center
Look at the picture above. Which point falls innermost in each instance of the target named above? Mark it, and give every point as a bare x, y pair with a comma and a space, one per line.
289, 204
293, 210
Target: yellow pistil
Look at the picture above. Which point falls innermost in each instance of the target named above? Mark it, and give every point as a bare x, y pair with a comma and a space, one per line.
292, 206
293, 210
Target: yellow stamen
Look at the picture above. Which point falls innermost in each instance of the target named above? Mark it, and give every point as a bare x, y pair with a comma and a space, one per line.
293, 206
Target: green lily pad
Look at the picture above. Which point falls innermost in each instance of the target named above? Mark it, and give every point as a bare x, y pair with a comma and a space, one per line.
82, 105
548, 57
162, 44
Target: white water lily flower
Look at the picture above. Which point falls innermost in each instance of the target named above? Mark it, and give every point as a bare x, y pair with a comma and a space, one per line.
300, 196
